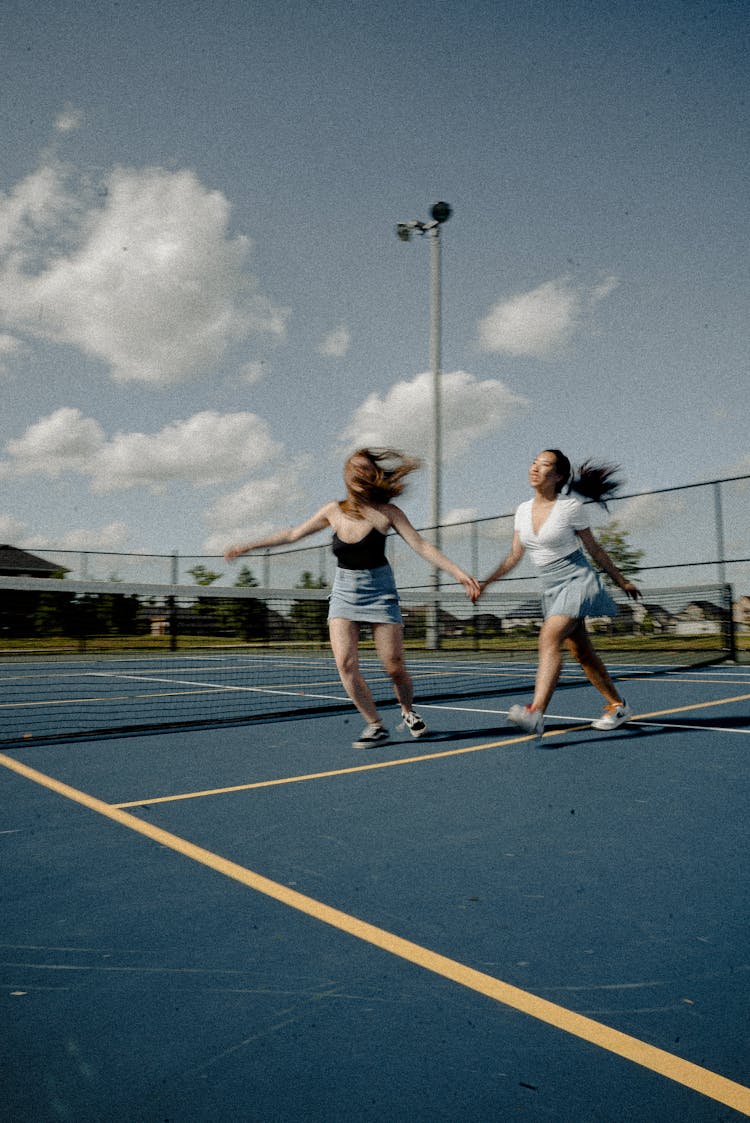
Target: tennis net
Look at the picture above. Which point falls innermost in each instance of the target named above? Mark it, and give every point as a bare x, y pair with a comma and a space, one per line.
97, 658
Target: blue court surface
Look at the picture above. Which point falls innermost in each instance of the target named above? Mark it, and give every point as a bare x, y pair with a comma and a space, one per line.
255, 922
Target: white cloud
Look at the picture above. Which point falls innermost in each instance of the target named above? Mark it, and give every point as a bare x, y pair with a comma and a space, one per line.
207, 448
460, 515
65, 441
253, 371
740, 468
336, 343
9, 346
253, 510
647, 512
141, 274
69, 119
402, 418
540, 323
12, 530
115, 536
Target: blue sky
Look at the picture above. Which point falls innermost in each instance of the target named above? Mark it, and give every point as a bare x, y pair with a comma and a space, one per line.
203, 303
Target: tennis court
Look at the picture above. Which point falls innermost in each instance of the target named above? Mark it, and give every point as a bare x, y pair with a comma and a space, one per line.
250, 920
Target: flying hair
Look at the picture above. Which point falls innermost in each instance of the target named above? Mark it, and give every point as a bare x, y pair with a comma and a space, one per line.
592, 481
381, 479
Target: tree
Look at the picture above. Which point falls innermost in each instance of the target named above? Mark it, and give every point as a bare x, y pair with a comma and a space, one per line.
307, 581
310, 616
206, 614
246, 579
203, 576
249, 614
615, 541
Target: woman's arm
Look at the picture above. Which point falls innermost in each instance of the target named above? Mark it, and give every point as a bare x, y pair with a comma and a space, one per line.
510, 561
316, 522
602, 558
426, 550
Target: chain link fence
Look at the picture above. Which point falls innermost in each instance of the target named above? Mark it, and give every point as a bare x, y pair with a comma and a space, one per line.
688, 535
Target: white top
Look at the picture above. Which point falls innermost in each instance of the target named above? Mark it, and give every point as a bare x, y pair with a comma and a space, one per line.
557, 535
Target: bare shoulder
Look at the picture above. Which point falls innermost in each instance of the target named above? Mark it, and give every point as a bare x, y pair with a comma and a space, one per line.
391, 514
397, 518
329, 512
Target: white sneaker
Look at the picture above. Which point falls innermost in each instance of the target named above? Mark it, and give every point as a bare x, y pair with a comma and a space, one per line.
616, 713
531, 721
371, 735
414, 723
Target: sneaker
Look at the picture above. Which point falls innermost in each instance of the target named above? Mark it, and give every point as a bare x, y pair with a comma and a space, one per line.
413, 723
616, 713
531, 721
371, 735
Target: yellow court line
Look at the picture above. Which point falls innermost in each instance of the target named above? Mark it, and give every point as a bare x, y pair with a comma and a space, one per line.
332, 772
402, 760
694, 706
702, 1080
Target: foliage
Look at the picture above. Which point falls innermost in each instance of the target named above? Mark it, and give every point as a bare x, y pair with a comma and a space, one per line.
246, 579
203, 576
310, 617
614, 539
307, 581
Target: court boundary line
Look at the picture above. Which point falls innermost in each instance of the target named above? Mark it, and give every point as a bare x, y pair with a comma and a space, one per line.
704, 1081
420, 758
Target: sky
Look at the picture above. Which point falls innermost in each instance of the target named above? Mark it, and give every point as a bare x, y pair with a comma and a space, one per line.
204, 305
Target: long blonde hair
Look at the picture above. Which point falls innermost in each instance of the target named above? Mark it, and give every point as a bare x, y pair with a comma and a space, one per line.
380, 480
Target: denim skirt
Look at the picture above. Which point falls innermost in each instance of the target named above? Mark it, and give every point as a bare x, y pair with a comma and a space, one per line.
368, 596
572, 588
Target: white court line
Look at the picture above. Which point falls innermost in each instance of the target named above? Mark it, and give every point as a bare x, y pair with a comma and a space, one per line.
577, 719
219, 688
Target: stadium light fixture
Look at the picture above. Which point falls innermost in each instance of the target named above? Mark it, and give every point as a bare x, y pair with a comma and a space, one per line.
440, 212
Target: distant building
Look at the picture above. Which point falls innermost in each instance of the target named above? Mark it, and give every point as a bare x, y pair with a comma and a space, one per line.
699, 618
19, 563
741, 610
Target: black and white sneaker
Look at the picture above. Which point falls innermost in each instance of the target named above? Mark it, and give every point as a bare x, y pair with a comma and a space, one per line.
414, 723
371, 735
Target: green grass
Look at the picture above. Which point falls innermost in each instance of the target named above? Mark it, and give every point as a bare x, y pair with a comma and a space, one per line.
674, 647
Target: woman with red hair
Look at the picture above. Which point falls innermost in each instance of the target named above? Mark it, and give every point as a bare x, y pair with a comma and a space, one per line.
364, 590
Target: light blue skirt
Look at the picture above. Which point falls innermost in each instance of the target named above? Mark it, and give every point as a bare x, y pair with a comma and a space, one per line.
368, 596
573, 588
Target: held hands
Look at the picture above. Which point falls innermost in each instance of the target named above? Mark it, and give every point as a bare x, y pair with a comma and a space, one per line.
472, 587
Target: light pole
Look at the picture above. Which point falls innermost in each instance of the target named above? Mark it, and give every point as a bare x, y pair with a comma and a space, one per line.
440, 213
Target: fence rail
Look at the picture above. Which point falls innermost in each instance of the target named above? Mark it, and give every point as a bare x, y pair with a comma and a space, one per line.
694, 533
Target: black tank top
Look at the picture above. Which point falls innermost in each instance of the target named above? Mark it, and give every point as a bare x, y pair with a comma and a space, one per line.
368, 553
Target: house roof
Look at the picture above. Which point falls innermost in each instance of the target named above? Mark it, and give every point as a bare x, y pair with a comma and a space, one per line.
13, 560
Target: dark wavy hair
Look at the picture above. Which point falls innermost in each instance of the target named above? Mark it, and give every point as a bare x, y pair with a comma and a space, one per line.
380, 480
592, 481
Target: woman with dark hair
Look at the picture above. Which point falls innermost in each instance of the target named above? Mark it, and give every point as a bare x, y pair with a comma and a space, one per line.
552, 527
364, 590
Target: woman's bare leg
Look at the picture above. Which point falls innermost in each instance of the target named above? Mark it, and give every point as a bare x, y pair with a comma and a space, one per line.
554, 631
389, 643
580, 646
344, 636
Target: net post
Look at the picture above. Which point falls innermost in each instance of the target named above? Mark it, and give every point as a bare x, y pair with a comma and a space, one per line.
719, 520
172, 616
730, 630
475, 571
